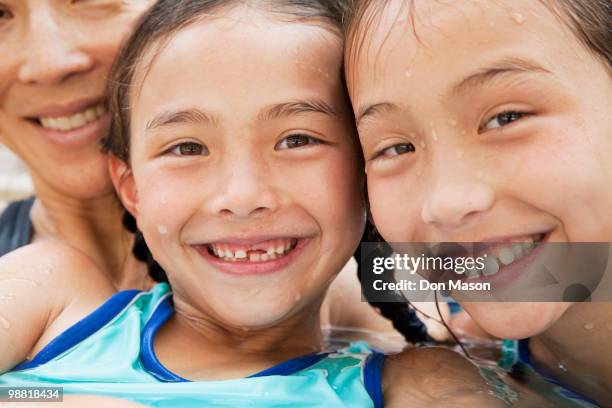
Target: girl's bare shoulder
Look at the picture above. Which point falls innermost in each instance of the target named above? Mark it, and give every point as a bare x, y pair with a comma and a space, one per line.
434, 377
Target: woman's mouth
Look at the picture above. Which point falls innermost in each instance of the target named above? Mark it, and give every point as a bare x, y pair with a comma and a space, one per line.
74, 121
81, 124
257, 257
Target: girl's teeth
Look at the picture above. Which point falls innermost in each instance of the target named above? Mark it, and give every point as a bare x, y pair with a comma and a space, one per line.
280, 250
270, 251
265, 257
274, 249
240, 254
254, 256
75, 121
518, 250
506, 256
490, 266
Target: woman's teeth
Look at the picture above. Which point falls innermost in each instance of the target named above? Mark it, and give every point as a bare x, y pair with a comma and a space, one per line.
505, 255
264, 251
80, 119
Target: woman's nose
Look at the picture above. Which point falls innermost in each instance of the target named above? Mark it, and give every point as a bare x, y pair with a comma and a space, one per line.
51, 52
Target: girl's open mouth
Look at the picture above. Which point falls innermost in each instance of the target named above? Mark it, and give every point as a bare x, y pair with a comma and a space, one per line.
260, 252
253, 258
506, 254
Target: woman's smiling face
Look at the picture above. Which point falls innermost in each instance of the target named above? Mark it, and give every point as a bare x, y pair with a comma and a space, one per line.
55, 60
493, 125
245, 163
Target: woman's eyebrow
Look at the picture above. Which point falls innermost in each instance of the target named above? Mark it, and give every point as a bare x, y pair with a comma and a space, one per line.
181, 116
506, 66
296, 107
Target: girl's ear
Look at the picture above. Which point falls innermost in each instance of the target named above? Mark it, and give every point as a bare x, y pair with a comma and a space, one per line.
123, 180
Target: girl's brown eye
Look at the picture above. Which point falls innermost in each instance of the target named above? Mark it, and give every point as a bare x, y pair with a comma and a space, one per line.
190, 149
396, 150
503, 119
295, 141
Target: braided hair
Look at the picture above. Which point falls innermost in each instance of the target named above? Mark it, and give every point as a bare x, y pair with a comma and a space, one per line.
396, 309
141, 250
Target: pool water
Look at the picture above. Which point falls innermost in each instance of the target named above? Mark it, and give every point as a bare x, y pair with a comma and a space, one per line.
516, 384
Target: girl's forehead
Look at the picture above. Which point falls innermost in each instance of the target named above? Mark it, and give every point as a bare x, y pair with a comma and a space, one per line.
224, 62
448, 40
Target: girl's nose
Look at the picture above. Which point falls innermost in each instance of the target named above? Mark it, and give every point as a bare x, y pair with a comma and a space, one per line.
51, 53
455, 197
245, 191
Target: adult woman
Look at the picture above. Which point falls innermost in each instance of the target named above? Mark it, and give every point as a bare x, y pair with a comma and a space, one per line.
56, 56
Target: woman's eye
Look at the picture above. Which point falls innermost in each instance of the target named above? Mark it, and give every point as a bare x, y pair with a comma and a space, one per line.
503, 119
397, 149
189, 149
294, 141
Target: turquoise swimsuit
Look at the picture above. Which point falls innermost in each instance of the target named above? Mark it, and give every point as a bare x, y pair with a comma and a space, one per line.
516, 359
110, 353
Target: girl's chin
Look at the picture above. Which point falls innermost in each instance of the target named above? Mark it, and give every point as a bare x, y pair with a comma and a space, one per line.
517, 320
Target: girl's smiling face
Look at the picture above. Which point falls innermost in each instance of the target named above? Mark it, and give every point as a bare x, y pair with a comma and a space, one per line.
245, 170
493, 124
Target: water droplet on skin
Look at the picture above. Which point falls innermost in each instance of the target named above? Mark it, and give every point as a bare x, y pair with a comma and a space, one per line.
298, 297
463, 132
452, 122
408, 73
163, 200
422, 144
460, 154
562, 367
5, 323
162, 230
589, 326
254, 291
434, 135
518, 18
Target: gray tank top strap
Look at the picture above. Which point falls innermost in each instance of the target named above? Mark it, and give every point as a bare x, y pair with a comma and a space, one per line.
15, 225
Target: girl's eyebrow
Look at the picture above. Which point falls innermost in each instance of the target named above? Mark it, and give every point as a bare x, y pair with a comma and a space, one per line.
181, 116
295, 108
500, 68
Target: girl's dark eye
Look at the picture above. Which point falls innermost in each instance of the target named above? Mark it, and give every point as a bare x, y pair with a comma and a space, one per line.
5, 14
189, 149
294, 141
503, 119
396, 150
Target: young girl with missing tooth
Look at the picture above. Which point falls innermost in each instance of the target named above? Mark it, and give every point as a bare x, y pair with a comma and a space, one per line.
233, 148
488, 121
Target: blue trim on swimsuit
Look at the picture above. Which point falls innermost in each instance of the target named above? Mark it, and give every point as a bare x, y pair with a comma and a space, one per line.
525, 356
152, 364
372, 377
81, 330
